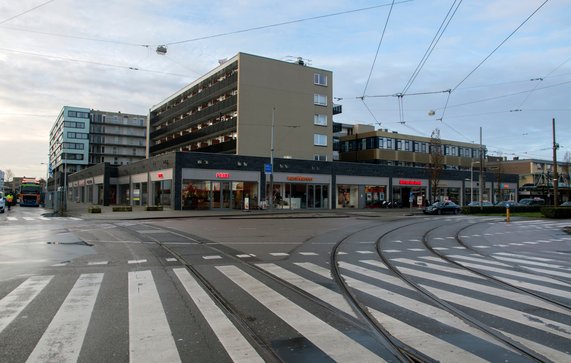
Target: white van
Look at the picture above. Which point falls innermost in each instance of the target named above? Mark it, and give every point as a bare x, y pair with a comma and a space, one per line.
2, 202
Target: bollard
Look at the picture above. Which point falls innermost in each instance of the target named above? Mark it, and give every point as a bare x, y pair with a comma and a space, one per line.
508, 214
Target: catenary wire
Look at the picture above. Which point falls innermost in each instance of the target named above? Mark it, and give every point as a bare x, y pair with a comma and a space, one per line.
378, 48
25, 12
541, 80
447, 19
283, 23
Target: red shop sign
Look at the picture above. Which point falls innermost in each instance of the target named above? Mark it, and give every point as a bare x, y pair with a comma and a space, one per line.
410, 182
223, 175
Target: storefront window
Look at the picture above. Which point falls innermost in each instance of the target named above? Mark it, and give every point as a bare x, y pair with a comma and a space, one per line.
347, 196
375, 196
162, 192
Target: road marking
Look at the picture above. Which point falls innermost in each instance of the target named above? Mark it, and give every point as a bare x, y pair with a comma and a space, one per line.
171, 259
95, 263
308, 253
365, 252
330, 340
212, 257
150, 337
130, 262
278, 254
320, 292
243, 256
12, 218
63, 338
13, 303
233, 341
423, 341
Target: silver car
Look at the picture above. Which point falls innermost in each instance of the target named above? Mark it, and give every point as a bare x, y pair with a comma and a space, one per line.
2, 202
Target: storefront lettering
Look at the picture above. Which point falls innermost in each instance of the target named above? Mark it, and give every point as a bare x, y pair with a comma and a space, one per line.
410, 182
299, 178
223, 175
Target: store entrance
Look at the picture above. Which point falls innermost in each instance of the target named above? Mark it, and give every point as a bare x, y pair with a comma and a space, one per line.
221, 195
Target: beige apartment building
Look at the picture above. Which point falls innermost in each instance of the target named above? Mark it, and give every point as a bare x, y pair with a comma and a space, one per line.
245, 105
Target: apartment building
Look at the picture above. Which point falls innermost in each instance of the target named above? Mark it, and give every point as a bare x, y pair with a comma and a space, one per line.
249, 105
365, 144
117, 138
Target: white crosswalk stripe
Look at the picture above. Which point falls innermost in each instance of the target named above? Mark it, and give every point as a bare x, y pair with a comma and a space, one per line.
69, 324
151, 336
11, 218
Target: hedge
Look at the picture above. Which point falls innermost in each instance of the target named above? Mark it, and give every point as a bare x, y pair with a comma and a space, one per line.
556, 212
122, 208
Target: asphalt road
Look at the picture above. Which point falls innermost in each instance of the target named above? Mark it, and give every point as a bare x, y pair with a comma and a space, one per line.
220, 289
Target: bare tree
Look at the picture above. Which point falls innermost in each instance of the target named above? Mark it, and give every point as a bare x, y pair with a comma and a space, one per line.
9, 175
436, 164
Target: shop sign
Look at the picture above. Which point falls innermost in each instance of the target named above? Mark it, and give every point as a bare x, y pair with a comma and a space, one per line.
160, 175
299, 178
506, 186
410, 182
223, 175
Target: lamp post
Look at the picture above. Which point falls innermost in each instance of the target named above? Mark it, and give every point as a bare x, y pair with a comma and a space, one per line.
271, 196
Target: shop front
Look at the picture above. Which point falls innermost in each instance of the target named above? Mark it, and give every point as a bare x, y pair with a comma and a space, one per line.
361, 191
305, 191
409, 193
219, 189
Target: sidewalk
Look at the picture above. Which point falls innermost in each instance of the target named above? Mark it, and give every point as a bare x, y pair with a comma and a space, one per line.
81, 211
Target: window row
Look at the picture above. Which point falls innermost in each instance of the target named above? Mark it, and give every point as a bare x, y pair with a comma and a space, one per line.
73, 145
77, 114
405, 145
74, 125
77, 135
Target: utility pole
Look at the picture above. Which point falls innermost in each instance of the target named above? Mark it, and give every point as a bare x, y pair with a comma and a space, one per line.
481, 172
555, 174
271, 196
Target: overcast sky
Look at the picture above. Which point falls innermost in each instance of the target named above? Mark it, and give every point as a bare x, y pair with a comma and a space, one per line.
506, 62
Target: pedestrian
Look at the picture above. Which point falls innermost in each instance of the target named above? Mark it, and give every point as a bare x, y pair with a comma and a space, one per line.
9, 199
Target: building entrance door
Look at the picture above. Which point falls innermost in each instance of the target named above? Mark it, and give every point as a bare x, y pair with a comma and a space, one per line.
221, 195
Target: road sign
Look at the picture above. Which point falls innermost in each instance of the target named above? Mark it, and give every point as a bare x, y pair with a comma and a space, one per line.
268, 168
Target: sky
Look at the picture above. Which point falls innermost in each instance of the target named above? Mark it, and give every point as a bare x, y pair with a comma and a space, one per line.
410, 66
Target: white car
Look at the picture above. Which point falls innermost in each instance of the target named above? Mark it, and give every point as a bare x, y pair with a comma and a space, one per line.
2, 202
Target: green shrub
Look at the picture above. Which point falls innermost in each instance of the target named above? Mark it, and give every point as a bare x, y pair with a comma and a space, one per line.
556, 212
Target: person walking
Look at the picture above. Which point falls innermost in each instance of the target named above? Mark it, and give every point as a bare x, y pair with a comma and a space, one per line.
9, 200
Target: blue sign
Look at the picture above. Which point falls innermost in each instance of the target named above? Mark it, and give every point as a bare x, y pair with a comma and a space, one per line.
268, 168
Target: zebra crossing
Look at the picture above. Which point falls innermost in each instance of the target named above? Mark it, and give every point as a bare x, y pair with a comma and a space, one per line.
41, 218
151, 335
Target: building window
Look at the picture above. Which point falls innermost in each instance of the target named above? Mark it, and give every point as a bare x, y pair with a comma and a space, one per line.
319, 140
320, 79
320, 100
320, 120
318, 157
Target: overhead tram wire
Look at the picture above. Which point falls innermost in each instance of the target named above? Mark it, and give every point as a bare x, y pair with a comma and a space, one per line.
25, 12
540, 79
447, 19
285, 23
498, 47
378, 48
91, 62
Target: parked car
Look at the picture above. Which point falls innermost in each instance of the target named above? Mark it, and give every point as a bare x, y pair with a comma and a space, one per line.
442, 208
2, 202
507, 203
532, 201
477, 204
566, 204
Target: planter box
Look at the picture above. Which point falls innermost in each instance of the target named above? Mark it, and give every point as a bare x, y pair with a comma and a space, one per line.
154, 208
122, 208
94, 209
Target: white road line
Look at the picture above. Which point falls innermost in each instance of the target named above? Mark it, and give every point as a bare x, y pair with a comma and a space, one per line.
330, 340
171, 259
12, 218
95, 263
130, 262
424, 342
277, 254
233, 341
63, 338
524, 256
150, 337
525, 262
308, 253
212, 257
320, 292
481, 288
364, 252
28, 218
12, 304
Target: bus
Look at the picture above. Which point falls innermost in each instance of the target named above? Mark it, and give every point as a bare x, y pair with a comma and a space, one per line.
30, 193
